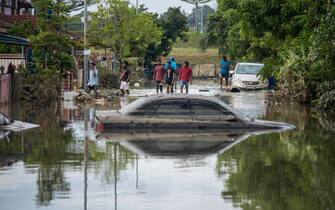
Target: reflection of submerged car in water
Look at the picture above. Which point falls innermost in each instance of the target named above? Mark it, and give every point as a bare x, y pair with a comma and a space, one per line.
151, 143
181, 112
246, 77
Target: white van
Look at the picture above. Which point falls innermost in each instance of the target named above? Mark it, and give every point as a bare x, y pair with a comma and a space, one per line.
246, 77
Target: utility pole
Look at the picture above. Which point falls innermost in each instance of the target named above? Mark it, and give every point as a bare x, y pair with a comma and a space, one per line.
136, 6
85, 46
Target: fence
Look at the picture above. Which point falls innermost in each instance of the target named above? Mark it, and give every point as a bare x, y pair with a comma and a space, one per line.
15, 59
5, 94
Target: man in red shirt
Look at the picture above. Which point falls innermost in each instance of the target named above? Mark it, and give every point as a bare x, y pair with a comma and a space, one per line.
185, 76
159, 75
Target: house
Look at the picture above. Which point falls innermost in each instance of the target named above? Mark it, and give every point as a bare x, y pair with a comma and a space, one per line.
12, 12
15, 11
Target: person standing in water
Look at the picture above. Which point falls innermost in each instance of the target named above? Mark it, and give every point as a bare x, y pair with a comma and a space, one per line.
125, 78
224, 70
159, 76
185, 77
94, 77
169, 77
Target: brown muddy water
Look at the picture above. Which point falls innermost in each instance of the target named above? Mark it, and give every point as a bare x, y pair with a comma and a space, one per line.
59, 166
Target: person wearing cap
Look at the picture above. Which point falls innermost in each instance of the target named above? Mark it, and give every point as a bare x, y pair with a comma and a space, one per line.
173, 64
169, 78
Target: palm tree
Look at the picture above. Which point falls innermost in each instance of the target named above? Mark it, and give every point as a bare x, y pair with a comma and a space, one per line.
197, 4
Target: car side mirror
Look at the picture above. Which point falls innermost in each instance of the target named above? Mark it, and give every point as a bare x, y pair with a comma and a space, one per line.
231, 118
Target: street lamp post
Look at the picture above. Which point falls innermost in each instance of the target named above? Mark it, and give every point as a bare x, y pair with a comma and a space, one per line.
85, 46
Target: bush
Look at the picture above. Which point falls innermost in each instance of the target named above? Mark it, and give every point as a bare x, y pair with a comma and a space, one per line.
40, 88
292, 83
108, 79
326, 96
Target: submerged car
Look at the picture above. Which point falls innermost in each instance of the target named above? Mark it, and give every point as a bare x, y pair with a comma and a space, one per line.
180, 112
246, 77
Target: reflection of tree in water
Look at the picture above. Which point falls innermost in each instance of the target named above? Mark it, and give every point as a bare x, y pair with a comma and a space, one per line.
55, 152
293, 170
49, 152
105, 165
50, 180
46, 148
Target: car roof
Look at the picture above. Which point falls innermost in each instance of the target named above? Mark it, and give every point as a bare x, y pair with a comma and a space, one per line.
154, 98
256, 64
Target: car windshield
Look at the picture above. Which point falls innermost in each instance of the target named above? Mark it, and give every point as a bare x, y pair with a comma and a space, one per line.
249, 69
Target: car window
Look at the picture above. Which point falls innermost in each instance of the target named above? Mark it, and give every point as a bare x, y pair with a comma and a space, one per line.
204, 109
174, 108
146, 110
249, 69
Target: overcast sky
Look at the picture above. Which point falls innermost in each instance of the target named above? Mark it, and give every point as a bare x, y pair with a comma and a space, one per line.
161, 6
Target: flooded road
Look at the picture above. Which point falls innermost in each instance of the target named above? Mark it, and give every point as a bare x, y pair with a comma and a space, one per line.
59, 166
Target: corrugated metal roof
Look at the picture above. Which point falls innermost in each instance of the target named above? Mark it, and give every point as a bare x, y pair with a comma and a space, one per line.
6, 39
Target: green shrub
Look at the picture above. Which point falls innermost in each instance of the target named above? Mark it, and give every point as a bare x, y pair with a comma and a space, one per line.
108, 79
40, 88
326, 96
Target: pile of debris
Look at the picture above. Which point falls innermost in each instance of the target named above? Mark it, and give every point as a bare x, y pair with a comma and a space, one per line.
83, 96
91, 97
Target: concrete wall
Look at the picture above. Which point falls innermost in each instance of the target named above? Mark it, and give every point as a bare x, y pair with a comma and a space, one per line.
205, 70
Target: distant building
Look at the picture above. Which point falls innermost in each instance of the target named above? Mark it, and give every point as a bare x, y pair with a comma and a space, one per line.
15, 11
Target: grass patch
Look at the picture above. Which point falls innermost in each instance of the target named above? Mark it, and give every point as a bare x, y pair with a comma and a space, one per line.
196, 56
191, 51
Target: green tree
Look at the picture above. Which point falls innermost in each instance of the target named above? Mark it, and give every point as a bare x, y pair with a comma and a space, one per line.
117, 27
283, 34
23, 30
174, 25
51, 46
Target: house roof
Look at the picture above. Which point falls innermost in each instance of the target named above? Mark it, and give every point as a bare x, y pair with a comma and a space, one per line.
19, 18
6, 39
24, 4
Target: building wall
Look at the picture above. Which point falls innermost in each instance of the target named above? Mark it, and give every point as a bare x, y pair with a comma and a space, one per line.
11, 7
5, 94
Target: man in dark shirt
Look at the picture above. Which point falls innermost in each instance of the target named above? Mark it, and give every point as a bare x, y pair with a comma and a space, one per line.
125, 78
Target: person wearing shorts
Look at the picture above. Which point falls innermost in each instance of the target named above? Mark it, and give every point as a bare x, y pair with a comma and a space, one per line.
224, 70
169, 78
158, 77
185, 76
125, 78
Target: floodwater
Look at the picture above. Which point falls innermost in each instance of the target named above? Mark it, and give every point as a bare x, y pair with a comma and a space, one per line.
59, 166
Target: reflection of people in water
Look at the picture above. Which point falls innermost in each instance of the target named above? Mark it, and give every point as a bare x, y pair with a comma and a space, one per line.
124, 101
92, 116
